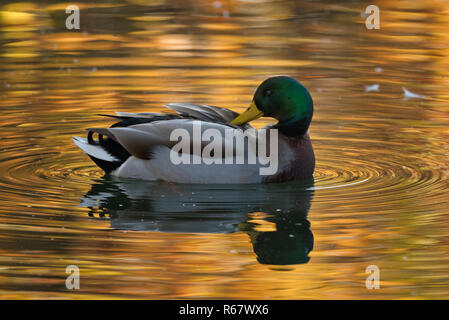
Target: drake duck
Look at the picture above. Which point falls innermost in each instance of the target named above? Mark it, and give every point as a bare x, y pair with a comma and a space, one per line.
141, 145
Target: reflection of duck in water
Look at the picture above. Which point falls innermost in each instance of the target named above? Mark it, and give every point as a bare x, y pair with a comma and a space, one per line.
155, 206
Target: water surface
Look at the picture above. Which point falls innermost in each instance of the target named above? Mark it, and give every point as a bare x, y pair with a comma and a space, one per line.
380, 192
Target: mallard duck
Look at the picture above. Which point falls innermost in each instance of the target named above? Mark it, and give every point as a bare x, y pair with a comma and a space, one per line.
141, 145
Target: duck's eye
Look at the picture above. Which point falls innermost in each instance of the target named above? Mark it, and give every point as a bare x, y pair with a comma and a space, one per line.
268, 92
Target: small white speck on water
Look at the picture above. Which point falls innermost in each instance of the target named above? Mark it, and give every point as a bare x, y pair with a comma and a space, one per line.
75, 60
217, 4
404, 167
404, 258
410, 95
226, 14
291, 235
371, 88
378, 69
277, 210
232, 251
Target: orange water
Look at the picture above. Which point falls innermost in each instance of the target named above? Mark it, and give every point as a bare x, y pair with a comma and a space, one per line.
380, 195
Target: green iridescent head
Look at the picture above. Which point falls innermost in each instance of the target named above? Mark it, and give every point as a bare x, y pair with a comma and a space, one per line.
284, 99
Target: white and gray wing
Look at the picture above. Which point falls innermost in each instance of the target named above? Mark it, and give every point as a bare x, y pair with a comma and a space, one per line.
140, 139
204, 112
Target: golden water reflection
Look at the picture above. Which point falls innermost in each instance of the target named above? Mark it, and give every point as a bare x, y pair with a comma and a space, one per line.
380, 192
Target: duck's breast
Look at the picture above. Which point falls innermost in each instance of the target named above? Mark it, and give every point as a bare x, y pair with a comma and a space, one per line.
296, 159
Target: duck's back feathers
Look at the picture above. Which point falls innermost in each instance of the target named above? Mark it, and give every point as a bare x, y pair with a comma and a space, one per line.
137, 134
204, 112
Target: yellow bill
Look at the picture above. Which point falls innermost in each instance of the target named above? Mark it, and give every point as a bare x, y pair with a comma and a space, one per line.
252, 113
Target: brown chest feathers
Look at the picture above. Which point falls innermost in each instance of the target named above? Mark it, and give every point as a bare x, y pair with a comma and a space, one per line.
296, 159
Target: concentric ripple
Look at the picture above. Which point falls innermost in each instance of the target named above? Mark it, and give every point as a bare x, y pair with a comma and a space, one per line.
40, 172
367, 172
38, 169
